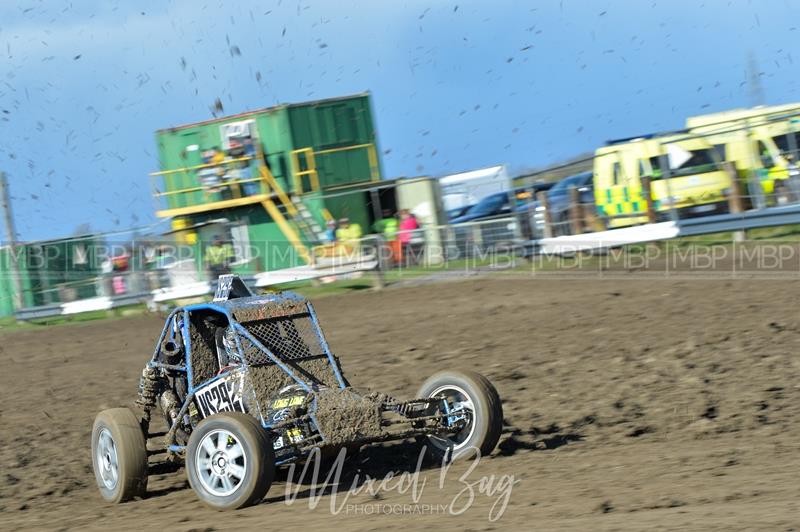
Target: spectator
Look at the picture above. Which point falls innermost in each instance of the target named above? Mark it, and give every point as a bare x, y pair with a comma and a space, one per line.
330, 231
120, 264
409, 236
217, 159
218, 258
348, 235
233, 168
249, 168
388, 226
209, 176
230, 170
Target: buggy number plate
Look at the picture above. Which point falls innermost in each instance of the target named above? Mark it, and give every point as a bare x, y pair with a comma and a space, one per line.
224, 395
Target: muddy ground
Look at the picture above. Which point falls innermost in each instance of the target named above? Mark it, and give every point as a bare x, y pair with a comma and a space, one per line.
629, 404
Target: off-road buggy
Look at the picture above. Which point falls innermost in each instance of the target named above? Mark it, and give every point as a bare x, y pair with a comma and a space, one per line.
247, 383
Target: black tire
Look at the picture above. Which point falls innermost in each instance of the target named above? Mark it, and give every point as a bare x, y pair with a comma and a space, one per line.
119, 455
487, 416
257, 461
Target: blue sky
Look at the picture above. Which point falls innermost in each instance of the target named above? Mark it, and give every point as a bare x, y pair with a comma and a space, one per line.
456, 84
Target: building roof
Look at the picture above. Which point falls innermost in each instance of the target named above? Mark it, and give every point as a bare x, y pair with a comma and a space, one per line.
272, 109
732, 115
471, 175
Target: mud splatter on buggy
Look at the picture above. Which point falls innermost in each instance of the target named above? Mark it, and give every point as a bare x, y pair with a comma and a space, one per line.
248, 382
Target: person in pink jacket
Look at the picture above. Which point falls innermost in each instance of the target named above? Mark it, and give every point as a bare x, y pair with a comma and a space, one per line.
408, 233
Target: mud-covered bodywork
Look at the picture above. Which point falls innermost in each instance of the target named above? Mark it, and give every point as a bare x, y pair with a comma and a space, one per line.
266, 355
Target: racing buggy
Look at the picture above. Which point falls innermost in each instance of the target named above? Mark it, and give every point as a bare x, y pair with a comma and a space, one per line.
247, 383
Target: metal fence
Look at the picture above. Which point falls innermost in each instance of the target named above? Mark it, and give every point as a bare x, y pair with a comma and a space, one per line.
174, 274
743, 195
768, 194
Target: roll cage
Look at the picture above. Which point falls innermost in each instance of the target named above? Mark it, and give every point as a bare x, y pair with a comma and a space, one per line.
238, 311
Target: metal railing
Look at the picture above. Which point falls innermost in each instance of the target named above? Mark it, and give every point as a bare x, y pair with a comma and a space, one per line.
309, 166
175, 273
224, 184
372, 156
742, 192
227, 184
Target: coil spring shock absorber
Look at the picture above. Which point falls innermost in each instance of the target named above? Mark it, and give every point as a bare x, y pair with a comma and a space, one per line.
149, 387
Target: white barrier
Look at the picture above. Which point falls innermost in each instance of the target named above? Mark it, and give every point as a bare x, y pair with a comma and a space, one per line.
608, 239
305, 273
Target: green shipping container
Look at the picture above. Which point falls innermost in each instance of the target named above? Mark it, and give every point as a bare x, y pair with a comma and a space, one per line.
264, 174
334, 139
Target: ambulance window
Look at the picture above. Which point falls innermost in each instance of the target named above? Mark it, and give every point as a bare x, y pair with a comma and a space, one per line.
696, 162
617, 172
699, 162
783, 142
642, 170
766, 157
655, 164
720, 153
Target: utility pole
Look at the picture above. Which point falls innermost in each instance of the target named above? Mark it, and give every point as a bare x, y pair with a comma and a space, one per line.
754, 81
11, 240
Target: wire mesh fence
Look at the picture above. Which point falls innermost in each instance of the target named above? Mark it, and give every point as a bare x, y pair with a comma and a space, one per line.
287, 337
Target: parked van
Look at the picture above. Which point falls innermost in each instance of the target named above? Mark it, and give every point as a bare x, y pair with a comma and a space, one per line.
686, 174
762, 143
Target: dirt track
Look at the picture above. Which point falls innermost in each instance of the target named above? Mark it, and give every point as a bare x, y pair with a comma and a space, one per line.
629, 404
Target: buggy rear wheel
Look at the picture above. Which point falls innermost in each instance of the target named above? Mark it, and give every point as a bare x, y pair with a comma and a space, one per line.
470, 399
229, 461
119, 455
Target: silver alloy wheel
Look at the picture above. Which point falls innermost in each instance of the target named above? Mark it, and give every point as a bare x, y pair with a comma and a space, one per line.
106, 458
221, 463
458, 402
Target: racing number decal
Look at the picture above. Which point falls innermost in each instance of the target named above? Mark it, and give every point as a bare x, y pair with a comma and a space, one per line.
220, 396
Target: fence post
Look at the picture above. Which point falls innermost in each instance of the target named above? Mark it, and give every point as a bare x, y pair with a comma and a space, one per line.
667, 176
378, 280
756, 188
548, 216
648, 199
477, 238
734, 196
575, 211
11, 237
735, 188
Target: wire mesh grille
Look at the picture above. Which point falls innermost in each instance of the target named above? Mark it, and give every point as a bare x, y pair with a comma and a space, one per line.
288, 338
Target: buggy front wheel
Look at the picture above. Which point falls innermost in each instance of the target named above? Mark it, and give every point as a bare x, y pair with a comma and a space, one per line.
119, 455
469, 401
229, 461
